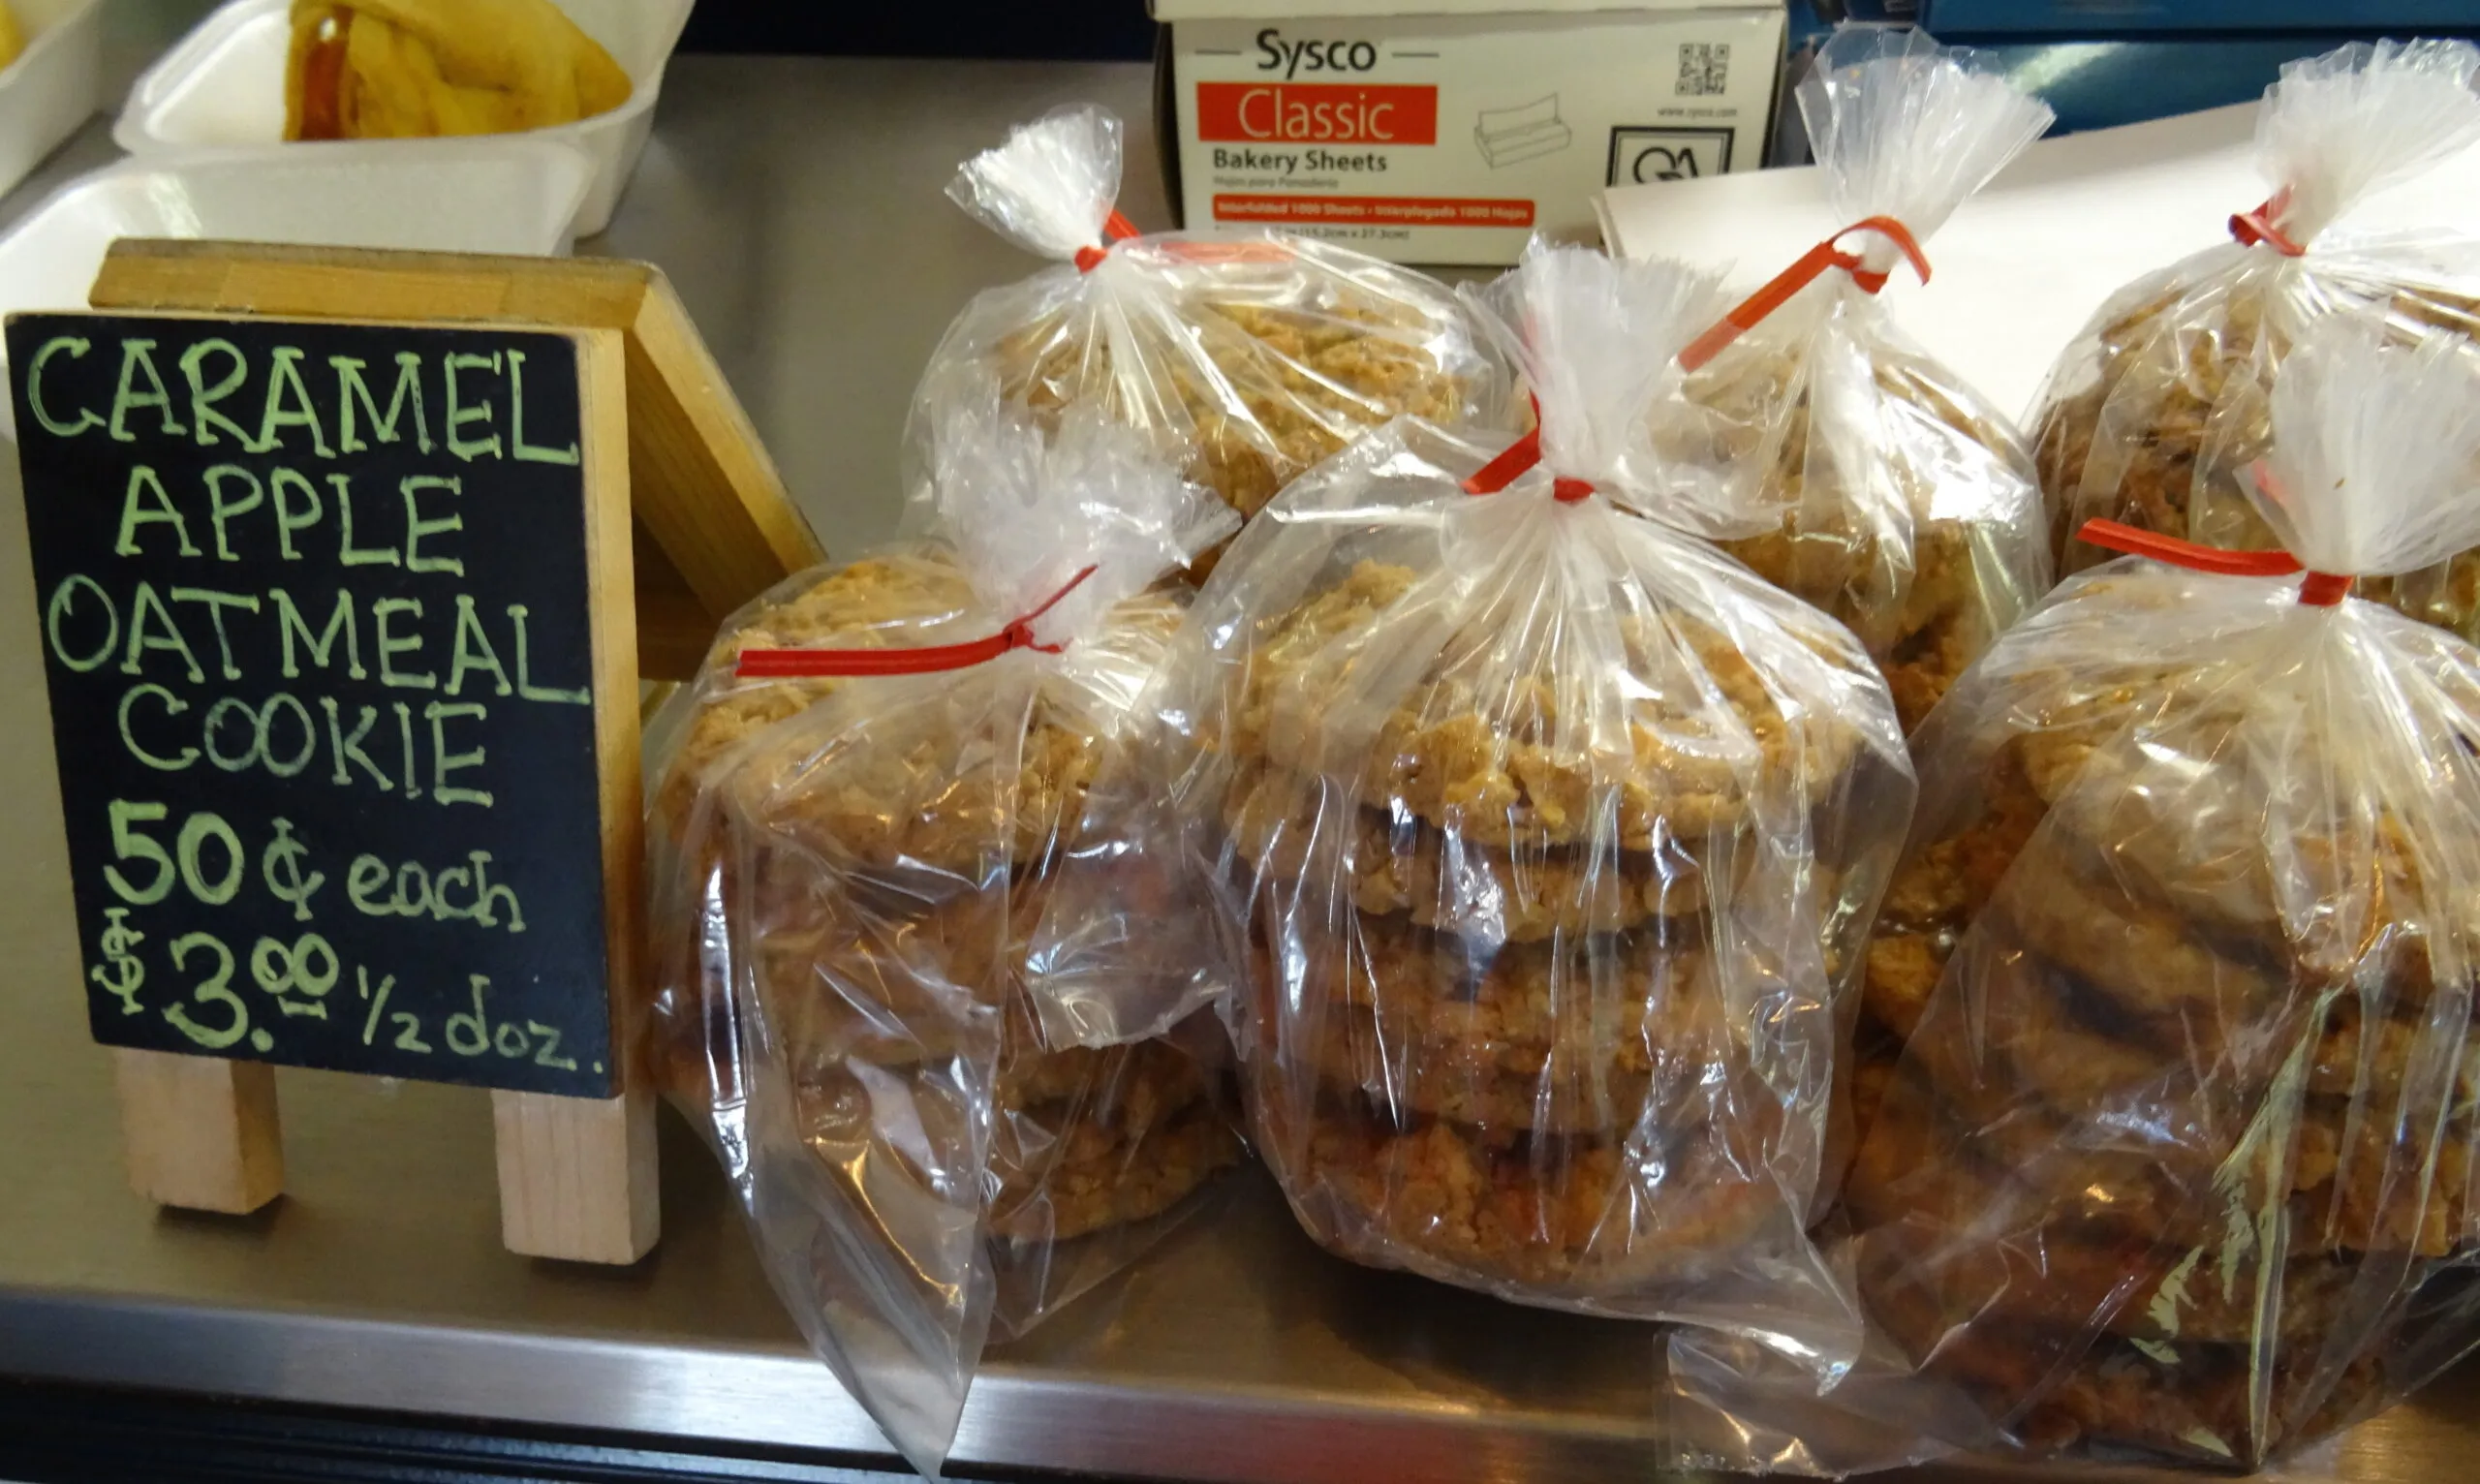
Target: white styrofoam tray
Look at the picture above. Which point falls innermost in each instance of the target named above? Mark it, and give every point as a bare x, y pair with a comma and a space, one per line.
223, 85
516, 196
53, 86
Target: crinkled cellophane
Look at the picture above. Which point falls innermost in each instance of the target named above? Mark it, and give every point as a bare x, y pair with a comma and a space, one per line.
1910, 510
2169, 1100
1546, 855
2157, 415
862, 862
1252, 359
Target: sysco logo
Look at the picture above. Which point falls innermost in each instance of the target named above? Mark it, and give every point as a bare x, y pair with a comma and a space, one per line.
1292, 59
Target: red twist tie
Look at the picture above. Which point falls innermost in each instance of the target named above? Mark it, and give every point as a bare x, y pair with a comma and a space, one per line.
1513, 460
2319, 589
2324, 589
2251, 228
1115, 229
1811, 265
814, 663
1500, 471
1516, 460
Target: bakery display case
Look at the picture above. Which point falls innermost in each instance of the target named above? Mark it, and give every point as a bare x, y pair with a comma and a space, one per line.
373, 1313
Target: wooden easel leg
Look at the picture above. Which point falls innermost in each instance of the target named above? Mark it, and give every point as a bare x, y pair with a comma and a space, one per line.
199, 1134
577, 1176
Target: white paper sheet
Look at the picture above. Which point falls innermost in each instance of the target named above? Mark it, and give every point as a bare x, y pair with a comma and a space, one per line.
2023, 265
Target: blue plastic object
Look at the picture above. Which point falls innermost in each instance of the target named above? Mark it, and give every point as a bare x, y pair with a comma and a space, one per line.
2080, 19
2095, 85
2100, 63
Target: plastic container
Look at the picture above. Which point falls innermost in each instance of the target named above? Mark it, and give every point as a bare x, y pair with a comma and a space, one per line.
508, 196
223, 85
55, 84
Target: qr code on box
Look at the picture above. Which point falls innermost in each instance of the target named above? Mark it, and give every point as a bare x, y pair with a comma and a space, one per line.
1704, 69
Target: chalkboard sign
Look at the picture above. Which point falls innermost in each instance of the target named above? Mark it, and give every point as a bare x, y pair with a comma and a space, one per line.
316, 602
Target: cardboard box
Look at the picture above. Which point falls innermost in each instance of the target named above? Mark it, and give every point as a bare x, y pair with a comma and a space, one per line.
1451, 135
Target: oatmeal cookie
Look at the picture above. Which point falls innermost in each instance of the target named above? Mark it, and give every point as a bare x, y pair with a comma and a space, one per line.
940, 797
1947, 883
2160, 430
880, 950
1277, 820
2367, 1186
1488, 757
1126, 1146
2182, 978
1441, 988
1923, 666
2060, 1387
1871, 1077
1947, 1153
1259, 377
1923, 641
900, 599
1903, 972
2074, 1282
1939, 892
2076, 1050
2197, 1406
2149, 962
1081, 1138
1572, 1221
907, 804
1913, 583
952, 791
1596, 1037
2152, 1155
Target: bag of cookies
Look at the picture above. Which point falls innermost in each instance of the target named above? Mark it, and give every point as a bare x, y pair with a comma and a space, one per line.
1547, 834
2157, 411
2177, 1160
1251, 354
1912, 513
855, 816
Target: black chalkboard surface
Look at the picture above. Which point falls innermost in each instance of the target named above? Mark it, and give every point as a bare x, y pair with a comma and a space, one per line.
315, 607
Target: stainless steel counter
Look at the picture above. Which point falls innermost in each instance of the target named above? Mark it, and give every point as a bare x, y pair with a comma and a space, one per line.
797, 204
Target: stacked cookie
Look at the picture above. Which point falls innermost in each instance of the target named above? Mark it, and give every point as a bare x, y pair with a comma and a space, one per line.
1257, 358
1521, 1013
1912, 511
1900, 501
2176, 1157
2159, 413
876, 856
1250, 357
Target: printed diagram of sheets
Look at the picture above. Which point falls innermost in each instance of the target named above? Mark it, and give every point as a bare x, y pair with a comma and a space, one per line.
1510, 136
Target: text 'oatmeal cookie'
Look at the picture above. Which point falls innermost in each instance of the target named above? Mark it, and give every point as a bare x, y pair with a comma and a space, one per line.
1248, 355
1909, 506
857, 813
2174, 1095
1547, 834
2157, 410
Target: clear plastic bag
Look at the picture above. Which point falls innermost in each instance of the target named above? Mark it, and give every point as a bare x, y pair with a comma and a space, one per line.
1250, 354
1914, 514
847, 869
2177, 1158
1547, 835
2154, 414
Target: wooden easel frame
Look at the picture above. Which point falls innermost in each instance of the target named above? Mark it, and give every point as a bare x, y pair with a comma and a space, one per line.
707, 526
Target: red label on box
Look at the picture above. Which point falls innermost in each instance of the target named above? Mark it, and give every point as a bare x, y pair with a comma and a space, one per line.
1317, 113
1394, 210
